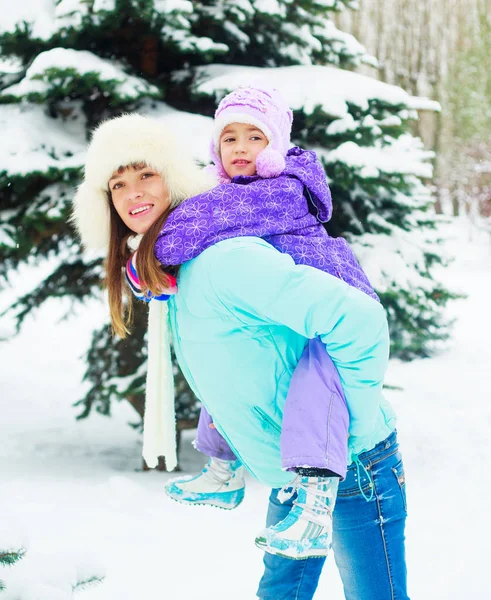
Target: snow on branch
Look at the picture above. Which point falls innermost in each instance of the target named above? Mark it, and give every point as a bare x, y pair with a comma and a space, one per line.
51, 574
39, 15
309, 87
61, 67
33, 142
403, 156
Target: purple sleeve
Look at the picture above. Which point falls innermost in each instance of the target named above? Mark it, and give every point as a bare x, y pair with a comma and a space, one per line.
261, 208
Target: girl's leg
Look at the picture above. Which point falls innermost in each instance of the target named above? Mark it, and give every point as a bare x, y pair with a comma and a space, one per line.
315, 417
368, 536
286, 579
209, 441
221, 481
313, 441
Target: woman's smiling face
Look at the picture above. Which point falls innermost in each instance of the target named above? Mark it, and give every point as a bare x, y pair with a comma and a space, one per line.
139, 195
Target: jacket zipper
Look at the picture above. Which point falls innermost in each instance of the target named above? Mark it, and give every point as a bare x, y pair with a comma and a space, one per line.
267, 419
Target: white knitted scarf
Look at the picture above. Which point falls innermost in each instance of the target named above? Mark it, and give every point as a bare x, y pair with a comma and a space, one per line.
159, 422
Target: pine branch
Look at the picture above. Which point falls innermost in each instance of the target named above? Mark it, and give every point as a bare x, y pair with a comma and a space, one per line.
87, 583
76, 279
10, 557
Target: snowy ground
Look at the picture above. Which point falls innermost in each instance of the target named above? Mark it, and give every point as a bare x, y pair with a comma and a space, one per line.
75, 492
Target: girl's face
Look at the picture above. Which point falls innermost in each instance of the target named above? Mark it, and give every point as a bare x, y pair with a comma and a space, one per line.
139, 195
240, 144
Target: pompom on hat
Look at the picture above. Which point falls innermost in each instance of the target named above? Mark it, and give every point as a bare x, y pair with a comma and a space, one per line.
267, 110
122, 141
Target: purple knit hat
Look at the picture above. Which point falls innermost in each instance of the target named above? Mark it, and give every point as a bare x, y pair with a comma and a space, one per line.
264, 108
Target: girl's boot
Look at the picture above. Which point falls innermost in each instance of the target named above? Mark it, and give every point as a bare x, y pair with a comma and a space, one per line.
220, 483
306, 532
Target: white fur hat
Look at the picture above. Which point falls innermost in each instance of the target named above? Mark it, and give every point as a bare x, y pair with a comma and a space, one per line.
125, 140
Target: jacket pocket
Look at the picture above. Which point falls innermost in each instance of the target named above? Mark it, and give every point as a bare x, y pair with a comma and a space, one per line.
399, 474
267, 423
356, 483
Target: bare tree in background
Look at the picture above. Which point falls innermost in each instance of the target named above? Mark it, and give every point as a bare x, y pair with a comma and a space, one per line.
441, 49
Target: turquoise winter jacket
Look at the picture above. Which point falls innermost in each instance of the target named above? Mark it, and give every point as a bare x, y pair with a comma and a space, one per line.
240, 322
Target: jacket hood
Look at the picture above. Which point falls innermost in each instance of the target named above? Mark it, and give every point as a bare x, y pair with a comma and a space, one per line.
305, 166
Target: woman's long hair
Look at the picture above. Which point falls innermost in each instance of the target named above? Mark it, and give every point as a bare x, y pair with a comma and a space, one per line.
150, 272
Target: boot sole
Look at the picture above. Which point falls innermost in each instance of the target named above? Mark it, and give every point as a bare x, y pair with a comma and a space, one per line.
212, 504
262, 545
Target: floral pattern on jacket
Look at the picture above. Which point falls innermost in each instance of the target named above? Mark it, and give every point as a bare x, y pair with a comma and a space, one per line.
276, 210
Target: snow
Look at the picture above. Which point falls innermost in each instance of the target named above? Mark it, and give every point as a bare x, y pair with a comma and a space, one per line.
395, 261
12, 538
7, 237
71, 12
41, 575
39, 14
196, 130
75, 491
167, 6
327, 3
31, 141
308, 87
242, 38
402, 156
189, 42
238, 7
46, 17
345, 43
82, 62
10, 64
342, 125
104, 5
270, 7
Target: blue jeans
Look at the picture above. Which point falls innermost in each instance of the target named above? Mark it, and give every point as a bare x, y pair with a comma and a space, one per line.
368, 536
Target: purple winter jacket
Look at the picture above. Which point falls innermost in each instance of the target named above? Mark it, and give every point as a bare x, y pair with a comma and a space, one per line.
274, 209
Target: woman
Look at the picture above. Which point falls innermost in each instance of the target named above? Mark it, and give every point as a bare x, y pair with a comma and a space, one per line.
240, 322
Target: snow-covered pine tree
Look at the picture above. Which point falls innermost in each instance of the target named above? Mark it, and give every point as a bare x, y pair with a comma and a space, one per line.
80, 61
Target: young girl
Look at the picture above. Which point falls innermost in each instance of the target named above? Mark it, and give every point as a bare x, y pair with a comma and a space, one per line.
267, 191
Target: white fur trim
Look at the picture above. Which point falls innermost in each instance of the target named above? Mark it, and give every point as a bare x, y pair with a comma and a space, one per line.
133, 242
226, 118
122, 141
91, 216
159, 429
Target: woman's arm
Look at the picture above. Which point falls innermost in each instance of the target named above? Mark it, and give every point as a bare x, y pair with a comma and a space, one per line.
251, 277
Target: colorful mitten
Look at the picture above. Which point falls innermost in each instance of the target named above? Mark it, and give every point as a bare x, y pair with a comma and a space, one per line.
135, 286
